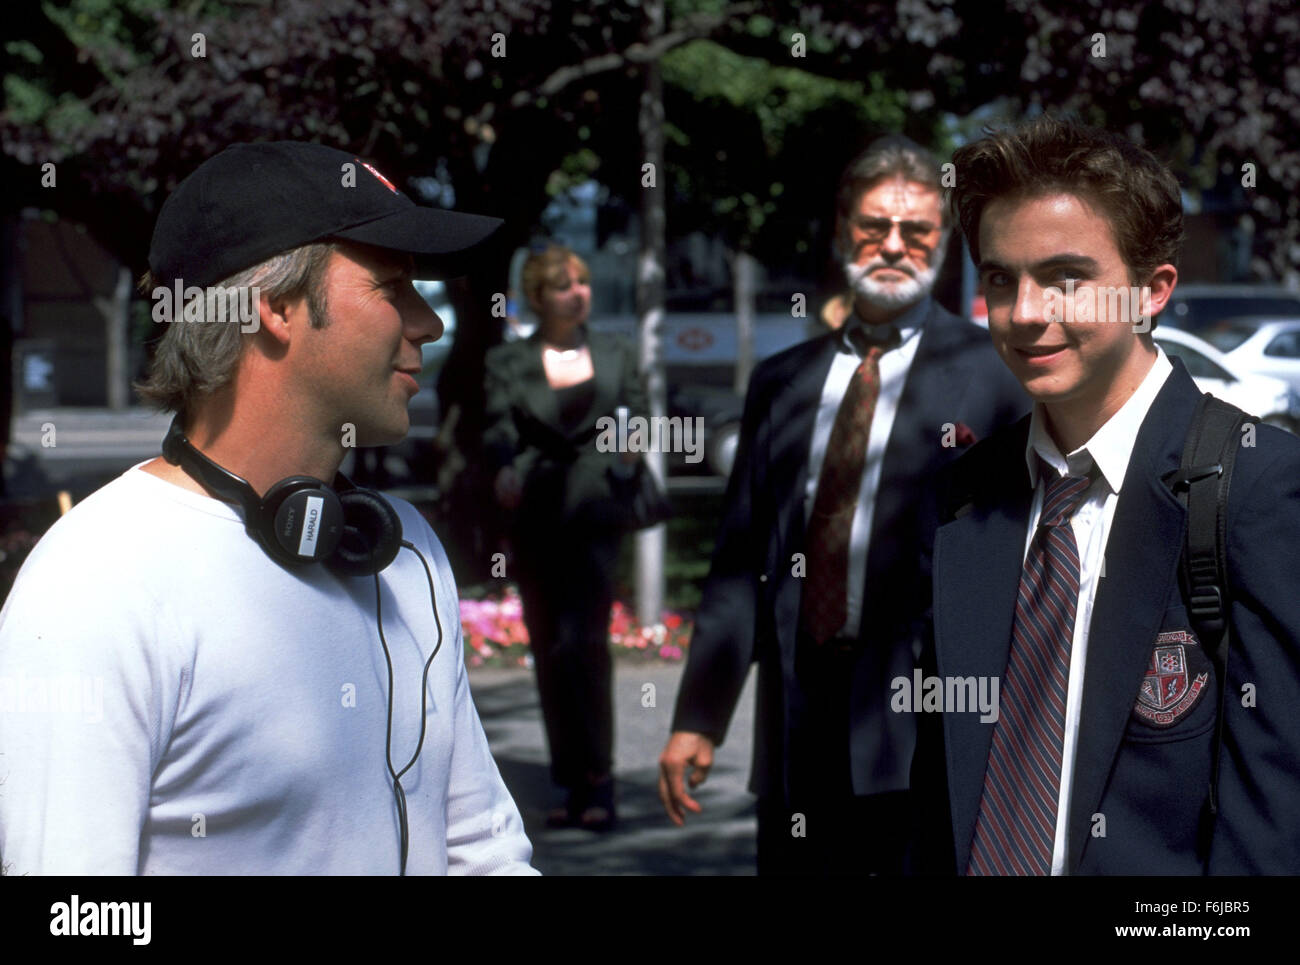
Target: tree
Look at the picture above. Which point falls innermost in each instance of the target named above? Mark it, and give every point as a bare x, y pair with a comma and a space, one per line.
490, 104
113, 90
756, 148
1208, 87
476, 104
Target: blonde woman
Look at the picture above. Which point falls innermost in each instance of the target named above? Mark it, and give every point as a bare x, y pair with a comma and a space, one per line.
545, 394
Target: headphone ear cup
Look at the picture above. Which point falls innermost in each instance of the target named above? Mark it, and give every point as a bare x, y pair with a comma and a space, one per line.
301, 520
372, 534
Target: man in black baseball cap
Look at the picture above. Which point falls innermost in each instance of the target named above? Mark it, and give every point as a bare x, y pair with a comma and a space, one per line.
252, 201
249, 670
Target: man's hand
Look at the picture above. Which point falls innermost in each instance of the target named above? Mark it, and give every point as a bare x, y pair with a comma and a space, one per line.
684, 747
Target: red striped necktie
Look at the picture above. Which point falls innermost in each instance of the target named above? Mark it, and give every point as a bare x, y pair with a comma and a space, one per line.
824, 605
1016, 828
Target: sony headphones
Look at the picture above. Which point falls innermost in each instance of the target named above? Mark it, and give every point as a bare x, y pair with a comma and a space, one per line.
300, 520
353, 531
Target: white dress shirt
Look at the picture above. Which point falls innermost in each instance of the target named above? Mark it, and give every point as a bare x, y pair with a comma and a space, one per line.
1110, 450
894, 366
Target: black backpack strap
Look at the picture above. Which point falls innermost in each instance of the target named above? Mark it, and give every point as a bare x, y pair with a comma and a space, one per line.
1201, 484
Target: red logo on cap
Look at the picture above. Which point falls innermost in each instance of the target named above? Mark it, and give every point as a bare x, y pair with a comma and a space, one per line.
383, 180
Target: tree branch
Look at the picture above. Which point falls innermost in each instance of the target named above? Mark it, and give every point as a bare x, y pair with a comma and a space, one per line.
693, 27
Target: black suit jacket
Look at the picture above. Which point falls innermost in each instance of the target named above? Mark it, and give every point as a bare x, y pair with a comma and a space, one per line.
1145, 786
750, 606
564, 472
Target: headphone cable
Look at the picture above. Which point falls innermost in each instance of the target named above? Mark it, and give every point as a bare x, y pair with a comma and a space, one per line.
399, 794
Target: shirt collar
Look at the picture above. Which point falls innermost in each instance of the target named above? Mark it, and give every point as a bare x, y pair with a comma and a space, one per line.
909, 324
1111, 446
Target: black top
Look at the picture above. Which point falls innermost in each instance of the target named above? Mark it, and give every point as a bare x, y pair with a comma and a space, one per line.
574, 402
552, 438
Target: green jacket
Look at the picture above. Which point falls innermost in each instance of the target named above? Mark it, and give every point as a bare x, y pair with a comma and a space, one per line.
564, 473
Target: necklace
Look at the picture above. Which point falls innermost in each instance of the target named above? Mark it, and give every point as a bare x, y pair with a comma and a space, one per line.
564, 355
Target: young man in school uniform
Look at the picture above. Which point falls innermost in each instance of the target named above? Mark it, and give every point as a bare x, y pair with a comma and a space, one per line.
1056, 573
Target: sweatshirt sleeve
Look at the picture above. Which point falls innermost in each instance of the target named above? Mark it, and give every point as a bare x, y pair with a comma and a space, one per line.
88, 693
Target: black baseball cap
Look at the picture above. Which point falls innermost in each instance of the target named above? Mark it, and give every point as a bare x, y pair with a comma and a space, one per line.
253, 201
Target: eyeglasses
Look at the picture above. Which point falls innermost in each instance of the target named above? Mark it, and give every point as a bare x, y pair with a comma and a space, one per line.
915, 234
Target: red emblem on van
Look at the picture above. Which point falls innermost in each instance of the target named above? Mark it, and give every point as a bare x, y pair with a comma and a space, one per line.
694, 339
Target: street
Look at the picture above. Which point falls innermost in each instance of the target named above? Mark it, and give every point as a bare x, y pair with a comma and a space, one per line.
81, 449
720, 841
78, 449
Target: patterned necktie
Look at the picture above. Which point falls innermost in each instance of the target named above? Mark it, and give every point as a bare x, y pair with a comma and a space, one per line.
1016, 828
824, 606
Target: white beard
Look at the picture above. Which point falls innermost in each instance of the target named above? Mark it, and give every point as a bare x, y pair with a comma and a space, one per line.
897, 294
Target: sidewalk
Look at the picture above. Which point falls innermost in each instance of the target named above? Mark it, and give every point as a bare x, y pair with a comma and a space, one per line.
720, 841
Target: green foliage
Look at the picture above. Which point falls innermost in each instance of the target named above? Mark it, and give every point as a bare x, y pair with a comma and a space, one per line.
104, 38
755, 144
689, 551
101, 23
106, 33
67, 116
109, 85
26, 102
781, 98
576, 168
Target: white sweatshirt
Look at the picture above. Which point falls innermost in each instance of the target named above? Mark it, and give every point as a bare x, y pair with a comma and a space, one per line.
174, 702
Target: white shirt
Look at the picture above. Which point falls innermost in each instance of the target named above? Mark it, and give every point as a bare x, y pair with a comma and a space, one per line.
174, 702
894, 366
1110, 449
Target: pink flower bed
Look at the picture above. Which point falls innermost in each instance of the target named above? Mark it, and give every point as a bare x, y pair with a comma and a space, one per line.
495, 634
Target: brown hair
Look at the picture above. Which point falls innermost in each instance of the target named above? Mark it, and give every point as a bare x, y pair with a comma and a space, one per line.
891, 156
1135, 191
550, 267
193, 360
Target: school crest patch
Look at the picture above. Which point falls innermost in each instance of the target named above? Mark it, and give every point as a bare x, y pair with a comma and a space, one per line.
1174, 681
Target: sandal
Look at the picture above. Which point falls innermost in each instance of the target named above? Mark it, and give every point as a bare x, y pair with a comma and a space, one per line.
563, 816
597, 818
598, 814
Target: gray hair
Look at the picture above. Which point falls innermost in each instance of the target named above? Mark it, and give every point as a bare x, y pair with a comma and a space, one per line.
194, 360
890, 156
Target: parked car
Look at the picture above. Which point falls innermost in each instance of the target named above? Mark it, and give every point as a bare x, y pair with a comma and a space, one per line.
1262, 344
1269, 398
1197, 308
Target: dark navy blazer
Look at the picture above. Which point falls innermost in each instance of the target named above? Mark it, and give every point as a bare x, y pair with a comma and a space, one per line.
1145, 786
750, 606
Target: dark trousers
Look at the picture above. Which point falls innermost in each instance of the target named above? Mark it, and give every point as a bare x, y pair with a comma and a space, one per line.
566, 582
823, 828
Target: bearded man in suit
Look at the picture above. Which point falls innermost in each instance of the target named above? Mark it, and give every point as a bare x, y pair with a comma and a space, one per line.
815, 575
